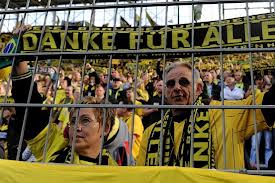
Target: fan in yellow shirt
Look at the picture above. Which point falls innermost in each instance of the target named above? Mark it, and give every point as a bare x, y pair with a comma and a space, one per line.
130, 97
126, 115
61, 115
208, 132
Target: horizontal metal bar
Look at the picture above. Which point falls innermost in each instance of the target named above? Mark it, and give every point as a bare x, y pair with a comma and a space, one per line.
252, 172
160, 51
128, 5
254, 8
139, 106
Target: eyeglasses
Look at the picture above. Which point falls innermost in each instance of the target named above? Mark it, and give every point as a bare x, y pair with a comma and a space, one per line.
83, 121
182, 81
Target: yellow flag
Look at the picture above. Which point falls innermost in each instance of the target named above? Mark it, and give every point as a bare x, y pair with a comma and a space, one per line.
152, 22
124, 23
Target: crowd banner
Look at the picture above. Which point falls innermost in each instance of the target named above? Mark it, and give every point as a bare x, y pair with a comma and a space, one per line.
23, 172
206, 36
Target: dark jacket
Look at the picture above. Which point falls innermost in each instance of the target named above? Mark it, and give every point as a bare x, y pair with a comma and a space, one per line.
216, 90
2, 150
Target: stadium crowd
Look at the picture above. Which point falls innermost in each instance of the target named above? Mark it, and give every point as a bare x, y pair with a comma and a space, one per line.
73, 84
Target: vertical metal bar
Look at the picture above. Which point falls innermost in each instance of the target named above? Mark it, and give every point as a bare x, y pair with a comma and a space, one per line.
9, 80
29, 96
54, 96
135, 15
270, 6
17, 17
83, 71
4, 16
108, 83
193, 91
55, 87
135, 85
58, 71
222, 89
73, 16
83, 15
87, 49
104, 14
163, 87
252, 83
93, 15
178, 14
156, 12
223, 11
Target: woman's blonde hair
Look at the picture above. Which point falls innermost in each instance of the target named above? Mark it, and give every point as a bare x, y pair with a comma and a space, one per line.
99, 112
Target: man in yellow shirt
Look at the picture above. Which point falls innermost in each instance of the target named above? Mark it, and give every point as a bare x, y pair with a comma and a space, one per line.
130, 98
208, 131
61, 115
126, 115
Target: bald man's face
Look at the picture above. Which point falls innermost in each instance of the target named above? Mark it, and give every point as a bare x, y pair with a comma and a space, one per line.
179, 86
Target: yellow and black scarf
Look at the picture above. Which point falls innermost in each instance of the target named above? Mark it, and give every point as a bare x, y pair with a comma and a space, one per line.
64, 156
203, 151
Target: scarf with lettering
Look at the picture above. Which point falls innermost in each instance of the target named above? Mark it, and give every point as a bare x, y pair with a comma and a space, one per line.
203, 152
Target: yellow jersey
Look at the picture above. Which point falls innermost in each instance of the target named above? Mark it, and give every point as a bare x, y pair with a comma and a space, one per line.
138, 132
139, 111
57, 144
238, 127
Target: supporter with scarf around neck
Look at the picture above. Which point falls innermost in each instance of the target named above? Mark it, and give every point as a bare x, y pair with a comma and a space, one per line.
208, 133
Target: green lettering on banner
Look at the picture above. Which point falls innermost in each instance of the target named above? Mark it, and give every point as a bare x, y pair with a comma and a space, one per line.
267, 29
73, 42
30, 42
255, 38
151, 38
230, 35
93, 44
206, 35
48, 41
133, 38
212, 35
107, 41
180, 36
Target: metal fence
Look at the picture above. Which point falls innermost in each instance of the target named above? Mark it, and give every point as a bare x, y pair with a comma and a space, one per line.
139, 8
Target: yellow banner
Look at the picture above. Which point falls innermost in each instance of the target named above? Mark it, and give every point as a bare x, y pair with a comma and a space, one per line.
22, 172
230, 33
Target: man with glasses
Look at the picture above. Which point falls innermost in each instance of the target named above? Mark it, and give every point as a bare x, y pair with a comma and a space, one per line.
175, 130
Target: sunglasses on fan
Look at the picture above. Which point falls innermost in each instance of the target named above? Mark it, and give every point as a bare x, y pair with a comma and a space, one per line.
182, 82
